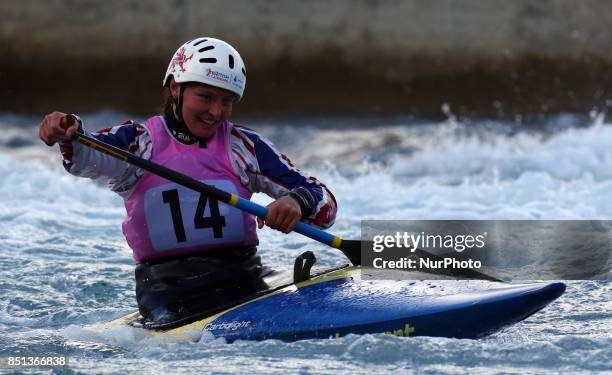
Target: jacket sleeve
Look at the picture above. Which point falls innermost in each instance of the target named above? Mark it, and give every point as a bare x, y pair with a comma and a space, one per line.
121, 177
263, 169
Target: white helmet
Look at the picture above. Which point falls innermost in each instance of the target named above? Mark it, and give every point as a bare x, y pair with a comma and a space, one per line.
210, 61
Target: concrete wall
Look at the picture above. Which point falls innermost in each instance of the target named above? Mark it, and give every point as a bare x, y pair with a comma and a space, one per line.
418, 52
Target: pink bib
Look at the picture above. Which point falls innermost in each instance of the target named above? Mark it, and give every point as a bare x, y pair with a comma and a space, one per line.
165, 219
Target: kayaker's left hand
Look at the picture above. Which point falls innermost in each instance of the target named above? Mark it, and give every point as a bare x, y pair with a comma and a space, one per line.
283, 215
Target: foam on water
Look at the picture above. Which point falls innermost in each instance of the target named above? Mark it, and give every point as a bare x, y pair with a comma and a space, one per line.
64, 265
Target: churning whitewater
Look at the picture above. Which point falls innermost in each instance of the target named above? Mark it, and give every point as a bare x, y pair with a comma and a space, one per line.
64, 264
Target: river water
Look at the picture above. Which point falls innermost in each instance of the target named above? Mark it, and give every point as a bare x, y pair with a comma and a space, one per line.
64, 264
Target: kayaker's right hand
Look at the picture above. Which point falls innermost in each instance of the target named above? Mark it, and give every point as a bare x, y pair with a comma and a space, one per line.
51, 132
284, 214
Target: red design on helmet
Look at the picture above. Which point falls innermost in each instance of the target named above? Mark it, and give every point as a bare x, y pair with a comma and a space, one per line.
180, 60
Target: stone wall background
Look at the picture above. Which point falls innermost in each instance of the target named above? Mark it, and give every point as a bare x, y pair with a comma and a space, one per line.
343, 56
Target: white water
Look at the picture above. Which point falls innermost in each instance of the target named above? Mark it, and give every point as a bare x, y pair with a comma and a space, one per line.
64, 264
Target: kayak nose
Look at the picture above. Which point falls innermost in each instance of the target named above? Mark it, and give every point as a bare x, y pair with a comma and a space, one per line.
552, 291
555, 289
497, 309
519, 306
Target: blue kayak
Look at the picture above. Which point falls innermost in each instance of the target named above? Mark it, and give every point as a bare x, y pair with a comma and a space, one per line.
341, 301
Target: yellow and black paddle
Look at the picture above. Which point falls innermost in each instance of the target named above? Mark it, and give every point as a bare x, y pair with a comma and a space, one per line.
350, 248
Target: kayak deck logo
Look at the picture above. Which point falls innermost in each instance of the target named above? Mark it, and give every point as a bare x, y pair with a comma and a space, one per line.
229, 326
406, 331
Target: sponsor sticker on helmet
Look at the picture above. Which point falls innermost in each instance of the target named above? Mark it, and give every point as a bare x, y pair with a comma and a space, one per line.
217, 75
237, 81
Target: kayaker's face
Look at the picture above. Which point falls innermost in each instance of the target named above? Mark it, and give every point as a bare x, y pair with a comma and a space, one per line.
205, 107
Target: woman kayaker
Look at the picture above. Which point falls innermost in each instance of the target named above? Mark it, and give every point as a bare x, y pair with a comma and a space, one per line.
192, 253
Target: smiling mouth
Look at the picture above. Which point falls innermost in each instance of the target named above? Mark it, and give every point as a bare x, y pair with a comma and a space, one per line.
208, 122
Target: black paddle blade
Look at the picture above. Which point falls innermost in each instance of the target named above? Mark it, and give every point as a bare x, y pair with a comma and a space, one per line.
352, 250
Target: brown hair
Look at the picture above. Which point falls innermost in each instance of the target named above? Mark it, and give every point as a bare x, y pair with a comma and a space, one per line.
166, 107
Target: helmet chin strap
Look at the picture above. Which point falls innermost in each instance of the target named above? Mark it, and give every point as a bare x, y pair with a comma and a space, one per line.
178, 104
177, 124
